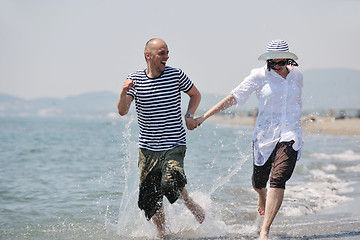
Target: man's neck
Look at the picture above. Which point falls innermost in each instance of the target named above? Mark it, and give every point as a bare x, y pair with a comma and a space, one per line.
152, 74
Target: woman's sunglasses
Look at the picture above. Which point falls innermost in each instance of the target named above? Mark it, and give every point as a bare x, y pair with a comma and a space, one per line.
272, 64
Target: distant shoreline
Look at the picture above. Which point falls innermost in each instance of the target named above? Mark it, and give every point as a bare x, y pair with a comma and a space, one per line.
321, 125
310, 124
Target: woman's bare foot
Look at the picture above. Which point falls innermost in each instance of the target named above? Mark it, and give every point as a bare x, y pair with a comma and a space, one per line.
262, 200
263, 237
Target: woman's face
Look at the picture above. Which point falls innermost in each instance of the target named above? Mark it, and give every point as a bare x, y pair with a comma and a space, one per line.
278, 65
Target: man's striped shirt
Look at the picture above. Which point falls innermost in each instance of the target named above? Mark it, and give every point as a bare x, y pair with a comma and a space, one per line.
158, 106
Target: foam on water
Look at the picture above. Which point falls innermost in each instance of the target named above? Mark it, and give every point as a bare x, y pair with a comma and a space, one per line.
354, 169
348, 155
182, 223
330, 168
324, 187
323, 190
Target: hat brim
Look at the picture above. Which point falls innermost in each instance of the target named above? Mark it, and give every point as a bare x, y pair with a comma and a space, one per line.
277, 55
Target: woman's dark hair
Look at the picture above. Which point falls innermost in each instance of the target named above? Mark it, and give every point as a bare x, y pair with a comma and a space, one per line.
289, 62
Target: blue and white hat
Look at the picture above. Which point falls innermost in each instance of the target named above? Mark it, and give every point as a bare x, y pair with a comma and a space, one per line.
277, 49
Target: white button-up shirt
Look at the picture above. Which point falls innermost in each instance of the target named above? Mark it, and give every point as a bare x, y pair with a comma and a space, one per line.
279, 117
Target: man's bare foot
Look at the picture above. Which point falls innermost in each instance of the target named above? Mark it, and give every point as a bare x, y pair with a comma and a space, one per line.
194, 208
198, 212
160, 233
159, 221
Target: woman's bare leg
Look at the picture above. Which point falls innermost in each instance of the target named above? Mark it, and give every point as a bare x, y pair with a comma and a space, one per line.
261, 200
273, 203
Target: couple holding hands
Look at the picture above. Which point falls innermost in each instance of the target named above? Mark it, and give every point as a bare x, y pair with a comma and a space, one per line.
277, 140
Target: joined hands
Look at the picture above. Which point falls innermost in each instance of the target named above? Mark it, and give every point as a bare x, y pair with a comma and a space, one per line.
192, 123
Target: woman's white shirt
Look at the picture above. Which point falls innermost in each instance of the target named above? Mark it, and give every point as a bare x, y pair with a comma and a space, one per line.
280, 104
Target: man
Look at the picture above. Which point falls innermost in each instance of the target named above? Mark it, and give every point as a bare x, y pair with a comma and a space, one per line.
162, 137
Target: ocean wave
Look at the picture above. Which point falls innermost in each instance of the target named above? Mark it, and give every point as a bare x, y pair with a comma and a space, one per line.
348, 155
352, 168
322, 191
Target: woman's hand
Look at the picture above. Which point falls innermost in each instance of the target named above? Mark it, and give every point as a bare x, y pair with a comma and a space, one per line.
199, 120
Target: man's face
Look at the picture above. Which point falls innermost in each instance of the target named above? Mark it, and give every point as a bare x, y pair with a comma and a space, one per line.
158, 56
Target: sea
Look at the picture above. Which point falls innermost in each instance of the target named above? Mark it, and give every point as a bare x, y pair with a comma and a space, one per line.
77, 178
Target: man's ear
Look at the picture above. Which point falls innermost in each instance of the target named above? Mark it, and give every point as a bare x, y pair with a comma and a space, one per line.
147, 55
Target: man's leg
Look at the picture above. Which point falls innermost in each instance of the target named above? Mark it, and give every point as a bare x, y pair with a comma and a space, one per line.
273, 203
194, 208
159, 220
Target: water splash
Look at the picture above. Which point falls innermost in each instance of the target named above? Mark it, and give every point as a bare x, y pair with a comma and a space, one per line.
127, 169
180, 221
232, 171
130, 217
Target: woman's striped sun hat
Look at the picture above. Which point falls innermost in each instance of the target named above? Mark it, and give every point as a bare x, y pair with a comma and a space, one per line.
277, 49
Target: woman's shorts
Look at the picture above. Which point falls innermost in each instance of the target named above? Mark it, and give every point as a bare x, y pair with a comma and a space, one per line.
279, 167
161, 174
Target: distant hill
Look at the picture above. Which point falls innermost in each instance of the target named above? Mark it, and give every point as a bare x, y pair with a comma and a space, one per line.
324, 89
331, 88
97, 104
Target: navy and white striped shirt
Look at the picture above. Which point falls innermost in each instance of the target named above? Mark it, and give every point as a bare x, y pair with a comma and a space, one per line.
158, 105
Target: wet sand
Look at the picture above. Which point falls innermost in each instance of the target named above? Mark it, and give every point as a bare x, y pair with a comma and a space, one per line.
314, 125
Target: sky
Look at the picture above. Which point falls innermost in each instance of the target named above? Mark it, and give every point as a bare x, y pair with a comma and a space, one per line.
62, 48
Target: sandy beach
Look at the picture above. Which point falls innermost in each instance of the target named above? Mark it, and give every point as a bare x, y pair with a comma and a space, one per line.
310, 124
346, 126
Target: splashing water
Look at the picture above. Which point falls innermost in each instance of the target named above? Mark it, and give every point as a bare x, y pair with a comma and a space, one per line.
78, 179
223, 180
180, 221
219, 180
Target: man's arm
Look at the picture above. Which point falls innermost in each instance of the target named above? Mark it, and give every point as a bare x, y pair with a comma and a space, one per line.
124, 101
194, 102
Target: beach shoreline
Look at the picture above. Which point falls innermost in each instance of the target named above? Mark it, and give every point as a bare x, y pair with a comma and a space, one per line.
310, 124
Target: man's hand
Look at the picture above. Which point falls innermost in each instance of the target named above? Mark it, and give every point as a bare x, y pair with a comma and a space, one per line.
190, 123
128, 83
124, 101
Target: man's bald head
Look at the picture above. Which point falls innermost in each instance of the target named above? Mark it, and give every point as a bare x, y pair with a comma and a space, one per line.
151, 44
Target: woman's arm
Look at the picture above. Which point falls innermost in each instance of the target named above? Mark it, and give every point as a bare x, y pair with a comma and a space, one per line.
220, 106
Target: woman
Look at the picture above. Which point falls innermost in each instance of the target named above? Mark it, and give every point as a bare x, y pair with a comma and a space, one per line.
277, 139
